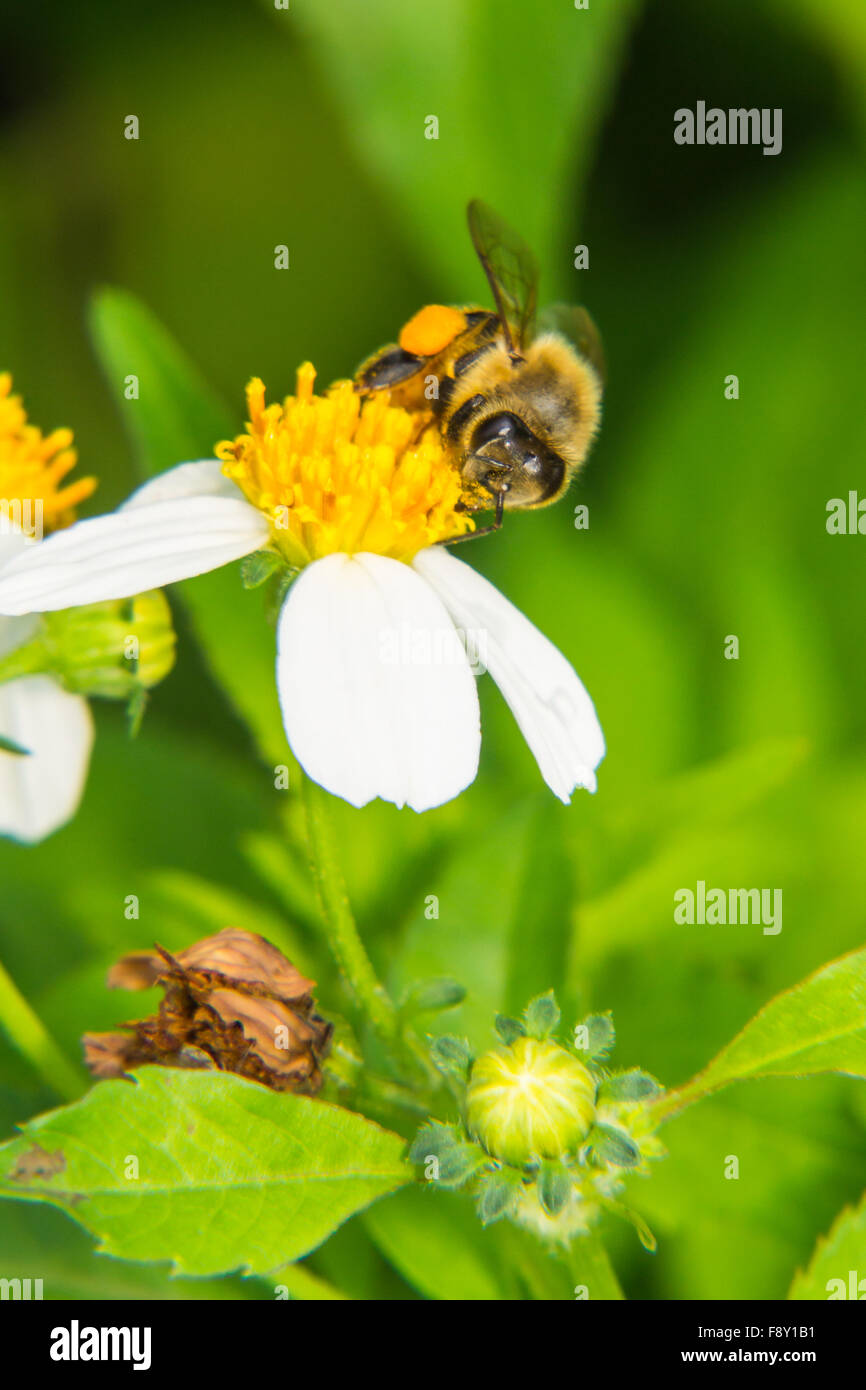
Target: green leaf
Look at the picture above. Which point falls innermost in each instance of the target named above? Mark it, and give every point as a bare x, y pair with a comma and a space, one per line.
38, 1240
389, 80
592, 1274
301, 1284
818, 1026
540, 914
289, 1169
176, 419
436, 1242
469, 942
836, 1255
796, 1154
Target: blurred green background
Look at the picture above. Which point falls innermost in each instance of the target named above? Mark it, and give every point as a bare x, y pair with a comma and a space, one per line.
261, 126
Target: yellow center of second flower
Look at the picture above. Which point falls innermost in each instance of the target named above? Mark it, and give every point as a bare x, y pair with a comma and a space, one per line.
341, 473
33, 469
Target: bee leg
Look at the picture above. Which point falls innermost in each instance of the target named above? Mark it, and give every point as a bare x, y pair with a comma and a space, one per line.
485, 530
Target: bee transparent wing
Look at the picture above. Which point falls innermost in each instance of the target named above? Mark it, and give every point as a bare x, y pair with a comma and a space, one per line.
573, 322
510, 268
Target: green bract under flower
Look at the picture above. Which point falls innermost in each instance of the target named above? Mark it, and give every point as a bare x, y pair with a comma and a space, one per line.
109, 650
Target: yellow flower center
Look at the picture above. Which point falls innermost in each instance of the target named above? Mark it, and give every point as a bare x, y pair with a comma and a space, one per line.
33, 468
338, 473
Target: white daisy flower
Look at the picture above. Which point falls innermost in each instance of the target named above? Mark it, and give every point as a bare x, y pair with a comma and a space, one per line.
376, 687
48, 666
40, 786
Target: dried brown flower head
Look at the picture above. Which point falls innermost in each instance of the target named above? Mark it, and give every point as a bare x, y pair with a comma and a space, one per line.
232, 1002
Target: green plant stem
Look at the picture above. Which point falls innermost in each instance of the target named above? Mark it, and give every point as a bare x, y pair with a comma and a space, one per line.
589, 1264
671, 1103
30, 1037
343, 936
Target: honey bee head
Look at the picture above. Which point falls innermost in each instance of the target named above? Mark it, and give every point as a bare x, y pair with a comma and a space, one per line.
535, 429
506, 458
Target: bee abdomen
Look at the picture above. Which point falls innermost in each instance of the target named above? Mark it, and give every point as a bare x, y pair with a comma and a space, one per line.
468, 359
477, 317
389, 368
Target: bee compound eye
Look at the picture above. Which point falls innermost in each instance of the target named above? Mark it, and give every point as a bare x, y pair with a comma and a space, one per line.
502, 425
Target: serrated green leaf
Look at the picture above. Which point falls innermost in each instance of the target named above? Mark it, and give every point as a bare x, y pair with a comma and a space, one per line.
836, 1256
288, 1169
818, 1026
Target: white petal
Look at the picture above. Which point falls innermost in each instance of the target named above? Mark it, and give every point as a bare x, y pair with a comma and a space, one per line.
13, 541
128, 552
377, 695
40, 792
204, 478
554, 711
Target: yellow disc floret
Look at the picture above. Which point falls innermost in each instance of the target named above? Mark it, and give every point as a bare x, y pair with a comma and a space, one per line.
340, 473
33, 469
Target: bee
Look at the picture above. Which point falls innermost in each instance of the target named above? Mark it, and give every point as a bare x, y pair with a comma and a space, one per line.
517, 410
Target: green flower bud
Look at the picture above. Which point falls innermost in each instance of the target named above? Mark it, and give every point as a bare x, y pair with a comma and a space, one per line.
112, 650
532, 1100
